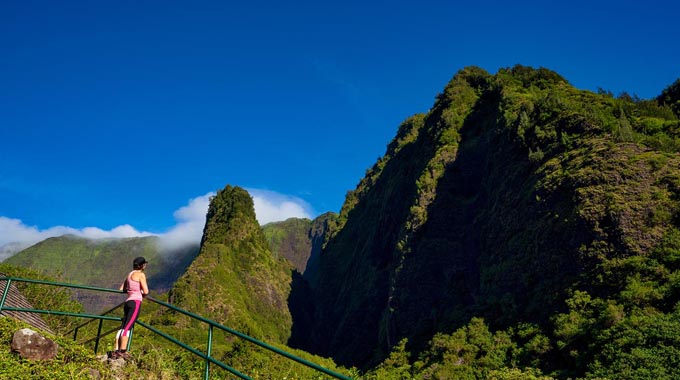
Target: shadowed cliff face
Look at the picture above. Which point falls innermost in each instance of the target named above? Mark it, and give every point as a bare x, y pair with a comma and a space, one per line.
360, 262
507, 196
317, 235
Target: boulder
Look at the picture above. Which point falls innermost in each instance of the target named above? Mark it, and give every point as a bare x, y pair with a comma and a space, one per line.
33, 346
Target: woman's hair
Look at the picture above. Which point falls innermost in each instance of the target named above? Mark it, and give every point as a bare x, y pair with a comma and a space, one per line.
138, 263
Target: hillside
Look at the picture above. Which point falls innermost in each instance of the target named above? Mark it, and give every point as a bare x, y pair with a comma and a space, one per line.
235, 279
103, 263
299, 240
523, 201
290, 239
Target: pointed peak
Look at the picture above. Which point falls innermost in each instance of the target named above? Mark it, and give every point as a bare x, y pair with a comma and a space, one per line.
231, 216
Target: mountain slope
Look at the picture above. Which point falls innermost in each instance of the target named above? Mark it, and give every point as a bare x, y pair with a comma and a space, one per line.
290, 239
104, 263
514, 193
235, 279
299, 240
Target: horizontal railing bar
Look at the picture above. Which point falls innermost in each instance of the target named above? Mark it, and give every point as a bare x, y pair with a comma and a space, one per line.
254, 341
195, 351
92, 320
61, 284
66, 313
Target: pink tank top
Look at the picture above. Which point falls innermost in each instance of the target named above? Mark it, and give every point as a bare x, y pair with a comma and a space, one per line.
134, 289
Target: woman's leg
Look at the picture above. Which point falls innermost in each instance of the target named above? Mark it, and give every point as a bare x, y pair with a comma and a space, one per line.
132, 309
115, 343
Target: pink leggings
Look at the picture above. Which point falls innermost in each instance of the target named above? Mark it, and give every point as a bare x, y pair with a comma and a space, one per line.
130, 314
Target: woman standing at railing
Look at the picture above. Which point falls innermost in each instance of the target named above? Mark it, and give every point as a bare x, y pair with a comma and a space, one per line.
137, 289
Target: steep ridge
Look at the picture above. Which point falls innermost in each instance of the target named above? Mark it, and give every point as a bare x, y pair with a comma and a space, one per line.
236, 279
375, 225
514, 193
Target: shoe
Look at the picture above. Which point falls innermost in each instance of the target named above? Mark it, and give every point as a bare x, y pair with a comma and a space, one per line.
125, 356
114, 355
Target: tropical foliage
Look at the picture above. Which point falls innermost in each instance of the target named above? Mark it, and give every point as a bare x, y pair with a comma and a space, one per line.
550, 213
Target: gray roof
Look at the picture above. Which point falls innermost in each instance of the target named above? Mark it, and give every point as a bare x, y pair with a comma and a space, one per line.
16, 299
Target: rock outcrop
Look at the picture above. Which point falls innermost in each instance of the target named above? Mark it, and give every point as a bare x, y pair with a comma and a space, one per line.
33, 346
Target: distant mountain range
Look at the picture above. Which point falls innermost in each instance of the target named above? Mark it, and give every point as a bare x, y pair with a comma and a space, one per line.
104, 263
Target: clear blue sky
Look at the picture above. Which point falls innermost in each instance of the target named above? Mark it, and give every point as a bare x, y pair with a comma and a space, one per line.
121, 112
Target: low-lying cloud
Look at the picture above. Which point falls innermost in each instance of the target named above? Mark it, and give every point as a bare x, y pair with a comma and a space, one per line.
190, 220
15, 235
271, 206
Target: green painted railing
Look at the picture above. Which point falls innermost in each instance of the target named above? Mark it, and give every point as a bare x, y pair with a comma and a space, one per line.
207, 356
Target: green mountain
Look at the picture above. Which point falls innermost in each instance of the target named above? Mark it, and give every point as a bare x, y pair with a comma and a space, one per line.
235, 279
518, 204
104, 263
299, 240
290, 239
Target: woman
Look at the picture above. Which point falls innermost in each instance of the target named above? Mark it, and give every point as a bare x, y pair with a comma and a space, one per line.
137, 289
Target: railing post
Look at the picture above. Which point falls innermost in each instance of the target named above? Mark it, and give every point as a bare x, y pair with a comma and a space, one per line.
207, 362
4, 294
99, 334
129, 343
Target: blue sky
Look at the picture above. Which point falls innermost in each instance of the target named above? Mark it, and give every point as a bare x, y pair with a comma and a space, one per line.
120, 118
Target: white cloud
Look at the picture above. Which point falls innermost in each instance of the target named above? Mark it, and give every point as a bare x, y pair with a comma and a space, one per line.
270, 207
17, 236
190, 222
14, 230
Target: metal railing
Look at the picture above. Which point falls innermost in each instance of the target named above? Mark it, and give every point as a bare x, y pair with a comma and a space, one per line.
207, 356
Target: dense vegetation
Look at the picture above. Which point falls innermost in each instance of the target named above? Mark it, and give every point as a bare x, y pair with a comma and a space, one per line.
670, 97
523, 224
236, 279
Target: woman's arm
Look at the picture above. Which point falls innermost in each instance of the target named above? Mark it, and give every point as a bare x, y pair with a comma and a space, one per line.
142, 282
